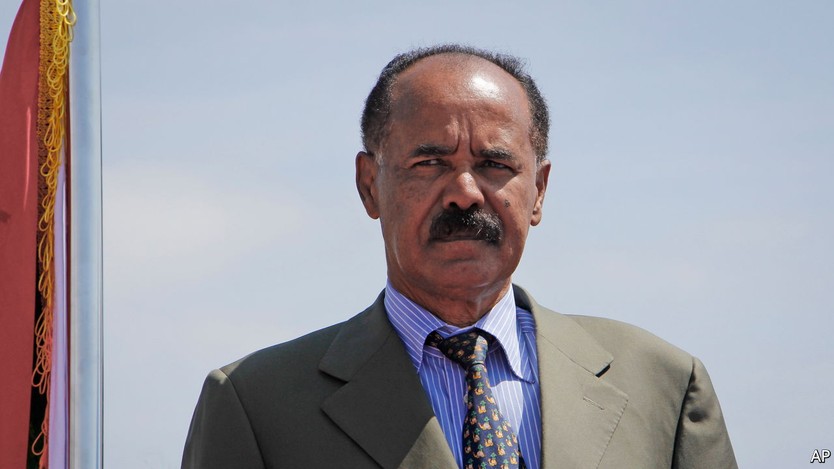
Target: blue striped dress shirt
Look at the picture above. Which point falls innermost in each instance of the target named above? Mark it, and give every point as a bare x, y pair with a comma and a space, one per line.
512, 367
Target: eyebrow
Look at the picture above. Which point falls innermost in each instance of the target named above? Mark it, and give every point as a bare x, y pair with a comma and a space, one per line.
498, 154
431, 149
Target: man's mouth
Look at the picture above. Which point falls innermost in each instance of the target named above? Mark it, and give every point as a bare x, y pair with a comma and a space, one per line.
463, 235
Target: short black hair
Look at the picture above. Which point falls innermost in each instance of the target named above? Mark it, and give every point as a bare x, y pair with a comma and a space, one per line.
378, 104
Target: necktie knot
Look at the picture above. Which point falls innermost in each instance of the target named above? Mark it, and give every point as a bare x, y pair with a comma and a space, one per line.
467, 349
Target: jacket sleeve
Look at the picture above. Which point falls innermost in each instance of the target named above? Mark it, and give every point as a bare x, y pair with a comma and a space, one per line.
220, 435
702, 440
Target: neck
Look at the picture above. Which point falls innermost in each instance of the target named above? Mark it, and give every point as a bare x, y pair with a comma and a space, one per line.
458, 307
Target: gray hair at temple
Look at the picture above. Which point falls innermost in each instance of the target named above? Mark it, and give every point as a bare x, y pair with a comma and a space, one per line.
378, 104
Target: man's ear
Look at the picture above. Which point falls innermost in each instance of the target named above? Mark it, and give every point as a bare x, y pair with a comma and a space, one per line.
542, 174
366, 171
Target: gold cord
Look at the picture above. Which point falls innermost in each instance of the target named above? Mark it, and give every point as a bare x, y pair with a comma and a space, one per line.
56, 21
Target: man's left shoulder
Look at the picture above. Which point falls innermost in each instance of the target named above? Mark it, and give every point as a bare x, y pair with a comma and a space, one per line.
627, 341
640, 358
604, 345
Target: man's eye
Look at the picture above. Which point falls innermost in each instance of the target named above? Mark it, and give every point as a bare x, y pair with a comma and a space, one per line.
431, 162
495, 164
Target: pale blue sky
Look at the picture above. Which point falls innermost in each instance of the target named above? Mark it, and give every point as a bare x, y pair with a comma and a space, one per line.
693, 154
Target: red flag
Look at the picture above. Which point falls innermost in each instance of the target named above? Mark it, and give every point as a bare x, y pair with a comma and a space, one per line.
18, 230
33, 120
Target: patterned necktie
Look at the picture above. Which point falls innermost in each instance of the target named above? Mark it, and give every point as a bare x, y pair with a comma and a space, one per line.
488, 439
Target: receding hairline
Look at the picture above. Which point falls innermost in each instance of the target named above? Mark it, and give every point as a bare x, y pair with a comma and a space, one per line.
452, 60
375, 120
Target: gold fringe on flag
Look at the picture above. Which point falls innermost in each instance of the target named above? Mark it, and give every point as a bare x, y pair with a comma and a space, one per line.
56, 21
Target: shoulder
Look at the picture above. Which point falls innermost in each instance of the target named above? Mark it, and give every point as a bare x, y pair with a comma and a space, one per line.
300, 362
638, 355
621, 338
305, 350
603, 346
622, 354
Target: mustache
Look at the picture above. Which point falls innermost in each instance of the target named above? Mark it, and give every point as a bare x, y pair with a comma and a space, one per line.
472, 223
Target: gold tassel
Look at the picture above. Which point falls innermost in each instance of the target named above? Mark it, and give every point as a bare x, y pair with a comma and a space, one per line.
56, 21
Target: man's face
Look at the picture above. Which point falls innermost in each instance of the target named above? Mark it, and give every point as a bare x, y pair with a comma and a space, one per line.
458, 141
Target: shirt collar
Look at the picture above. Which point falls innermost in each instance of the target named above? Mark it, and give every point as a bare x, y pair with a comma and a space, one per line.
414, 323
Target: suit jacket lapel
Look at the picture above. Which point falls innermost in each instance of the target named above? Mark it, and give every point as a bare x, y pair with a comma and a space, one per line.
382, 405
580, 412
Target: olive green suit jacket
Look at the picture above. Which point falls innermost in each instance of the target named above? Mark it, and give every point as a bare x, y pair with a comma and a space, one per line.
612, 396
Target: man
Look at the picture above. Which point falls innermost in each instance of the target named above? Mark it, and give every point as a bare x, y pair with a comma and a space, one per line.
453, 366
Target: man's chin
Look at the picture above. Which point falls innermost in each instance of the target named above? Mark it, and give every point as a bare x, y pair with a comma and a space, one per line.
464, 278
467, 259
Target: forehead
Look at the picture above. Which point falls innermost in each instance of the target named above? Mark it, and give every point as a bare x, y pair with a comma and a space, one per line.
458, 79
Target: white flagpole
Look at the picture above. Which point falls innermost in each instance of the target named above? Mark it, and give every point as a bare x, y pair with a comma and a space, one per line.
86, 389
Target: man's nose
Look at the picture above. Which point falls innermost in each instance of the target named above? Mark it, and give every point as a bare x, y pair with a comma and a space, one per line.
463, 190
